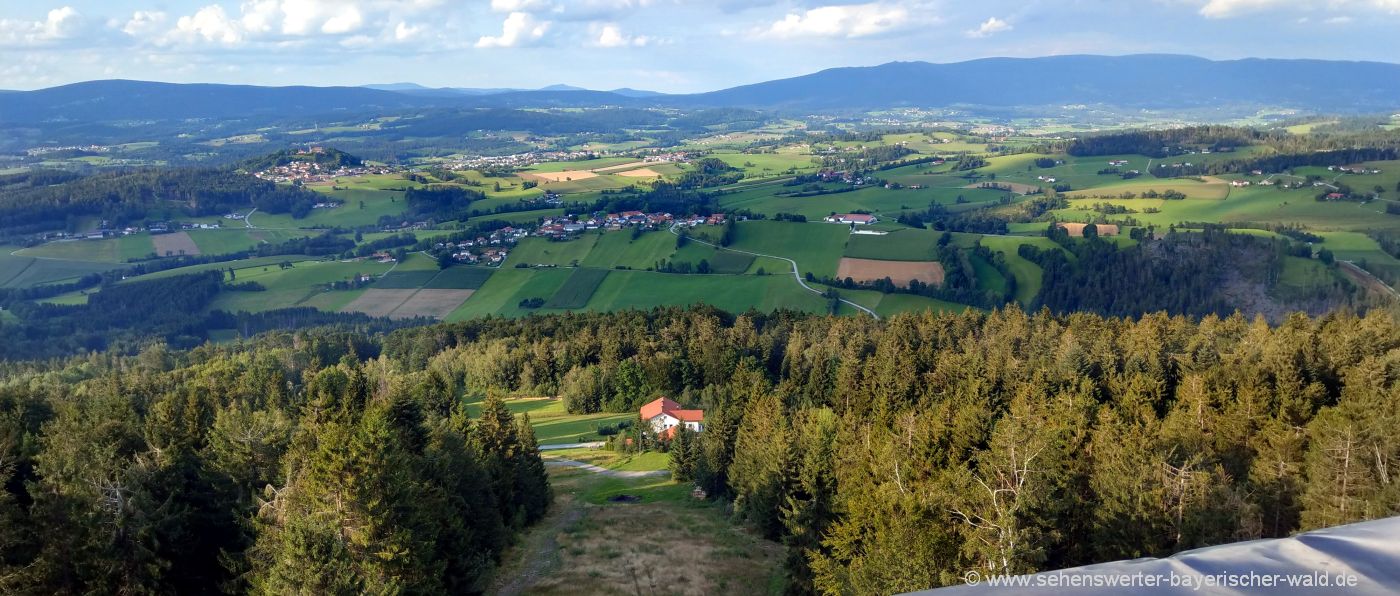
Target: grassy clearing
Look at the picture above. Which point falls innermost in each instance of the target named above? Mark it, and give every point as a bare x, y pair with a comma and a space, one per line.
405, 280
97, 251
503, 292
1028, 275
542, 251
904, 245
553, 424
619, 249
460, 278
641, 290
646, 461
817, 247
25, 272
1302, 274
576, 291
589, 545
730, 262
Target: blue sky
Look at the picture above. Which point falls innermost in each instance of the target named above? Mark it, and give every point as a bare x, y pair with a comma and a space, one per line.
665, 45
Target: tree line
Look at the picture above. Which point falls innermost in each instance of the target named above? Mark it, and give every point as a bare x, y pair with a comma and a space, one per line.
295, 467
895, 455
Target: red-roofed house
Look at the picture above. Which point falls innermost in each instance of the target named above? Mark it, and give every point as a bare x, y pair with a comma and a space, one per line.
665, 415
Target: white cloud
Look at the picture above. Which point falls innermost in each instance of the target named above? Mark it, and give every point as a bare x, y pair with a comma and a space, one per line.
990, 27
519, 29
1224, 9
850, 21
144, 23
60, 24
405, 32
281, 21
521, 5
210, 24
611, 36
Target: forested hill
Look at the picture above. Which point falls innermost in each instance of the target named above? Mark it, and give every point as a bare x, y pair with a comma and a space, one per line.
1140, 81
37, 201
887, 456
328, 158
1145, 81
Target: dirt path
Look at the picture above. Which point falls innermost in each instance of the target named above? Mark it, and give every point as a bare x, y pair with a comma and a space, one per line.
560, 462
1364, 278
541, 552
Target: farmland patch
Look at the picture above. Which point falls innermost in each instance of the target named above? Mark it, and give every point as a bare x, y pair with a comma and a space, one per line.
564, 176
460, 278
728, 261
577, 289
431, 303
178, 243
379, 303
405, 280
900, 272
1076, 230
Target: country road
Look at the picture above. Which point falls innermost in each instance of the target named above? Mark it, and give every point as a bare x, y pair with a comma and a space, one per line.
795, 273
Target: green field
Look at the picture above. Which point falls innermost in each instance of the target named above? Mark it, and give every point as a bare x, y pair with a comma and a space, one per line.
817, 247
232, 240
623, 290
903, 245
24, 272
577, 289
618, 249
542, 251
460, 278
503, 292
554, 425
405, 280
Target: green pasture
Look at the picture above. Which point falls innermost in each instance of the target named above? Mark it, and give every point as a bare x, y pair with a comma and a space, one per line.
552, 423
543, 251
817, 247
577, 289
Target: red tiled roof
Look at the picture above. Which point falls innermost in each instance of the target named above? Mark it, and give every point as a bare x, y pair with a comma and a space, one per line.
688, 415
658, 407
668, 406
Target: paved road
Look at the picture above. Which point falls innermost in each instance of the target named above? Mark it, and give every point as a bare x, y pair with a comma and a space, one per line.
795, 275
560, 462
557, 446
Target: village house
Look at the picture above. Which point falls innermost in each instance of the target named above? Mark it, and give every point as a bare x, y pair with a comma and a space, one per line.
664, 415
852, 218
1239, 183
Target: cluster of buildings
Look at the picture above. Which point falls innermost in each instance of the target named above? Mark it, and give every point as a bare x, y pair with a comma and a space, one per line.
1352, 170
310, 171
1046, 179
857, 219
487, 250
518, 160
38, 151
845, 177
560, 228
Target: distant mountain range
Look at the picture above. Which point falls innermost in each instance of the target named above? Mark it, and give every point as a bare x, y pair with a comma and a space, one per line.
417, 89
1162, 82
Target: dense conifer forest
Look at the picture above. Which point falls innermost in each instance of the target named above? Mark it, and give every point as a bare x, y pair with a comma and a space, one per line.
885, 455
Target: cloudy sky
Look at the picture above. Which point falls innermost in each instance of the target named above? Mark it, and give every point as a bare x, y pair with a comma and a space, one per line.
665, 45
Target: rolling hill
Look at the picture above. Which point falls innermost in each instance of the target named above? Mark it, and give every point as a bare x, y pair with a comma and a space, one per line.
1160, 82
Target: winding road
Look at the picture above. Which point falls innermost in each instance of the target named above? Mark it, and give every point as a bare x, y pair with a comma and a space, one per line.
795, 273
